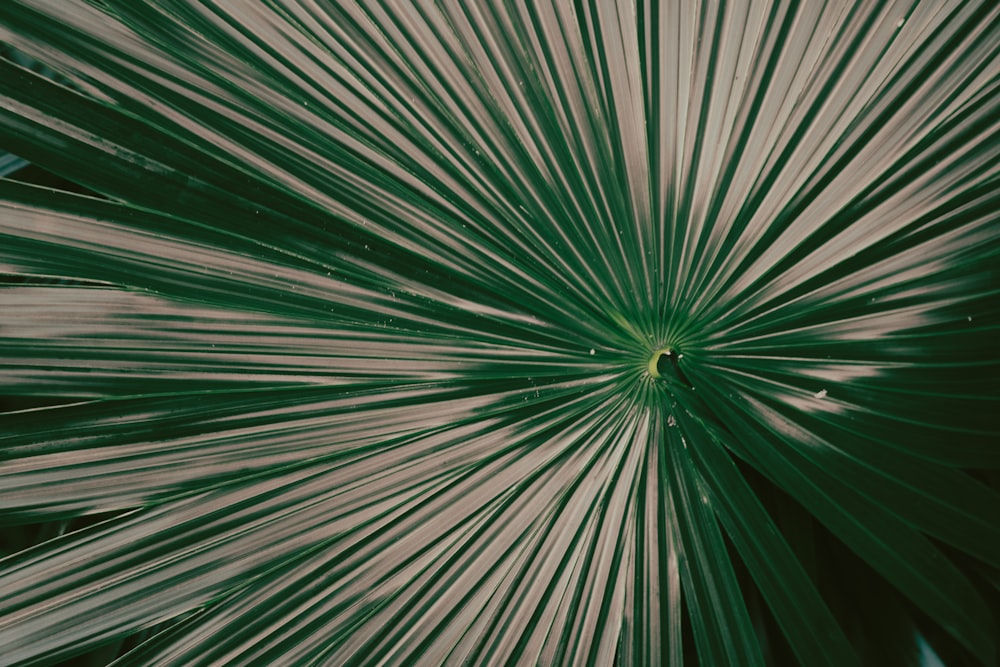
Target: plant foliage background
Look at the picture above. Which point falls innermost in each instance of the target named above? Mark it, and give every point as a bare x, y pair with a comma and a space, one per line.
343, 354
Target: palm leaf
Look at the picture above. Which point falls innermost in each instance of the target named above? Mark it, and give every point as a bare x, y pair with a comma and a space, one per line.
566, 333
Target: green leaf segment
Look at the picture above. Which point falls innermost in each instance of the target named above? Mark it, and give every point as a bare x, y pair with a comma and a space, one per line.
579, 333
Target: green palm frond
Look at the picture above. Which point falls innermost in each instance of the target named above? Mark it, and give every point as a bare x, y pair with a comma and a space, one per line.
480, 333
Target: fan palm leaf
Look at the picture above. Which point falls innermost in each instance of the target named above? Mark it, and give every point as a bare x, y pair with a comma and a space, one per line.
583, 333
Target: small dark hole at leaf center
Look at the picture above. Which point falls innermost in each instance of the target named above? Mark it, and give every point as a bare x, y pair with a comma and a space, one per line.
666, 361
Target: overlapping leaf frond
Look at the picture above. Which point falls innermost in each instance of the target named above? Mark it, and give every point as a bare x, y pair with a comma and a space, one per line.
590, 333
